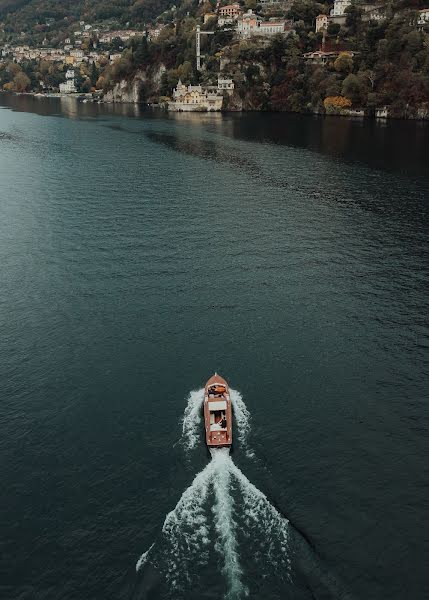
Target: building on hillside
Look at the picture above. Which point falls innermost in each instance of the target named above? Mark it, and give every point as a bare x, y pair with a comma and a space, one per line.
231, 10
248, 24
123, 34
423, 17
77, 55
153, 33
251, 24
222, 21
114, 57
271, 27
340, 7
325, 56
225, 84
373, 12
228, 14
69, 86
193, 98
321, 23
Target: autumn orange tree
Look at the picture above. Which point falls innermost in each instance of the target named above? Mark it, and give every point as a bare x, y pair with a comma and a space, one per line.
336, 104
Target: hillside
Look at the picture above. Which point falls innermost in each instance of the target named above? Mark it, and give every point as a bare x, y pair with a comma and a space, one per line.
23, 15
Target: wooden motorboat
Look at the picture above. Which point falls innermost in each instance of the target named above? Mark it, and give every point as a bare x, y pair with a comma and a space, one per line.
217, 412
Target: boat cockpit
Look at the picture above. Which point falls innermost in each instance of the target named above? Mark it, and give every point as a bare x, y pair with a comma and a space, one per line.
218, 420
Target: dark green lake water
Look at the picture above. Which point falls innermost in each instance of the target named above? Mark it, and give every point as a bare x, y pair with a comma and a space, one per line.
140, 252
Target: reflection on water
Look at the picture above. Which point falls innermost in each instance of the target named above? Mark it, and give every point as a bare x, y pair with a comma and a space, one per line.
397, 145
67, 106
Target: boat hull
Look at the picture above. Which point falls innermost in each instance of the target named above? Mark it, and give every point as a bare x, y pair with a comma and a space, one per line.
217, 413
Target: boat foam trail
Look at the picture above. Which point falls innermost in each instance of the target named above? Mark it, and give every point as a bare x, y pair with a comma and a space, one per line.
143, 558
225, 524
207, 507
273, 527
191, 422
242, 421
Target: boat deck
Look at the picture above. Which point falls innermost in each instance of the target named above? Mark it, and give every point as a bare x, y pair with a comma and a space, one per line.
217, 412
219, 438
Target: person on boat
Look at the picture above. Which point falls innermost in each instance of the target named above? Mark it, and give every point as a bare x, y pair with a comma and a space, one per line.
223, 422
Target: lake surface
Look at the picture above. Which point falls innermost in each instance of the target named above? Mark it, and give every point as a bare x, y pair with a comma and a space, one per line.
141, 252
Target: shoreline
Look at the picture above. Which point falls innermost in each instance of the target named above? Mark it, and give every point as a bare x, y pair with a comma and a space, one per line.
88, 97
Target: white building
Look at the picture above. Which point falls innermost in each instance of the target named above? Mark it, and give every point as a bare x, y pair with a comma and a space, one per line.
376, 14
271, 27
154, 33
423, 16
114, 57
69, 86
340, 7
77, 55
225, 84
222, 21
193, 98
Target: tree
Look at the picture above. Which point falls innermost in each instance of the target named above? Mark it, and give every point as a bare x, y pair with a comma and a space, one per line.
21, 82
344, 63
334, 105
352, 88
140, 51
100, 83
184, 71
353, 18
86, 85
369, 76
334, 29
94, 73
305, 10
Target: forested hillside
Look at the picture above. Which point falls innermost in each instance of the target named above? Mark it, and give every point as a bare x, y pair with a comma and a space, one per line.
361, 64
22, 15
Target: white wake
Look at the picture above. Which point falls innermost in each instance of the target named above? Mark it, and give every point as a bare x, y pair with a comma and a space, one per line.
241, 421
191, 422
218, 506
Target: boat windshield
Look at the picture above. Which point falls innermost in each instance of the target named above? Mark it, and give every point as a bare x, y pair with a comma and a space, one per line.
216, 390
